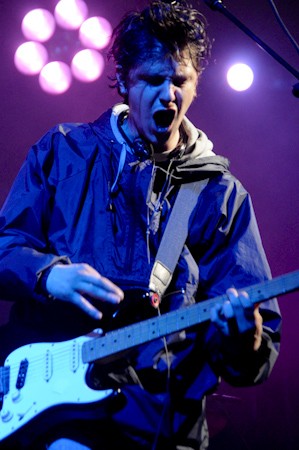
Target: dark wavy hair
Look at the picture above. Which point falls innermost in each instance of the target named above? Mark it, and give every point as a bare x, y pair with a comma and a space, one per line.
175, 26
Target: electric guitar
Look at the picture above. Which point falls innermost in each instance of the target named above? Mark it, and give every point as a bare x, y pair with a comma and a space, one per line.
40, 376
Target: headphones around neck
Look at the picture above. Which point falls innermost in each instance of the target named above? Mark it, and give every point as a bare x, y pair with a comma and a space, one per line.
142, 150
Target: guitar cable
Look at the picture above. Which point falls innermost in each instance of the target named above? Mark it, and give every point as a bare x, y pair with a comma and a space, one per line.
167, 402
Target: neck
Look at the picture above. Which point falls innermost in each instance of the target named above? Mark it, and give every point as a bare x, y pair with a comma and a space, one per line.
169, 146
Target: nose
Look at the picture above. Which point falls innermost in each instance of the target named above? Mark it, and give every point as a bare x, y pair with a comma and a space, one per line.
167, 92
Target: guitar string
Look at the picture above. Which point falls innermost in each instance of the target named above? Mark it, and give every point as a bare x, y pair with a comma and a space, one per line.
58, 351
58, 355
279, 281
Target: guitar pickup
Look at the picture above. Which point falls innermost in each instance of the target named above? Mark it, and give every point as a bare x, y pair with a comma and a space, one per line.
22, 373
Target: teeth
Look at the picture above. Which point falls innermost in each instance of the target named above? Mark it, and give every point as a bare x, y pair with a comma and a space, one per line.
164, 118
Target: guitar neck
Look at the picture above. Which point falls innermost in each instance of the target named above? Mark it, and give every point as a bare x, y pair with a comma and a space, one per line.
148, 330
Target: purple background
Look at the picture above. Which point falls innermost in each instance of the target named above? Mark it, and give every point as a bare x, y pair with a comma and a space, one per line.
257, 130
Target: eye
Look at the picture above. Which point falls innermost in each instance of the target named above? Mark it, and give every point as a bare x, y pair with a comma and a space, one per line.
179, 81
155, 80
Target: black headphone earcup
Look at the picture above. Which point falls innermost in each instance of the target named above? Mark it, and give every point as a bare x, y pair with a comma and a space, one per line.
141, 149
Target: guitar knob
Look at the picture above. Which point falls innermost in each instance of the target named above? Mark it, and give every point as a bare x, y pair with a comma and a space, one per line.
16, 396
6, 415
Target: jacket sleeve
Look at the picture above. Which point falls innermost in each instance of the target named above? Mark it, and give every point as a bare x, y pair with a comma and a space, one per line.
233, 256
24, 249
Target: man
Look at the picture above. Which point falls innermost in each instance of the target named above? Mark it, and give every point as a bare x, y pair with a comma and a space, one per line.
81, 228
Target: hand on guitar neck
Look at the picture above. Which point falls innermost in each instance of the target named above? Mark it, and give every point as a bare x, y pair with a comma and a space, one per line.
238, 316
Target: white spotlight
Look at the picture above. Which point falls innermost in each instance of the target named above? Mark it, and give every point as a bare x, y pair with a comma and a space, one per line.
87, 65
240, 77
55, 77
70, 14
30, 57
38, 25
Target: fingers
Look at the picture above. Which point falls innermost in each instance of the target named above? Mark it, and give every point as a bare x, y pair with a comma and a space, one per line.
237, 314
86, 306
89, 281
242, 309
98, 292
76, 283
219, 319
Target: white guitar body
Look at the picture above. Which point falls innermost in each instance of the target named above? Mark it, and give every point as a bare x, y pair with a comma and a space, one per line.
47, 374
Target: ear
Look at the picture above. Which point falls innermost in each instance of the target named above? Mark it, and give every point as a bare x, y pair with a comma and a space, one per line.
121, 84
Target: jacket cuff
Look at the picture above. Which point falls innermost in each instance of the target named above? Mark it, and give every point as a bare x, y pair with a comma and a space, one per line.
249, 367
42, 294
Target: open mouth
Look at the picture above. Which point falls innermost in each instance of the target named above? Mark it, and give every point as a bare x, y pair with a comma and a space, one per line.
164, 118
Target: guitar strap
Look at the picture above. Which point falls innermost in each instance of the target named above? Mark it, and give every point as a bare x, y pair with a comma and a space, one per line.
174, 238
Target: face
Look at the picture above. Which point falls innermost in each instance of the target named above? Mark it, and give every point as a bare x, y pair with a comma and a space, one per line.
160, 92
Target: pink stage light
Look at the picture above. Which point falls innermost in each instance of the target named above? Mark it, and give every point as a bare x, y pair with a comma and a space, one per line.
55, 77
38, 25
95, 32
240, 77
70, 14
87, 65
30, 58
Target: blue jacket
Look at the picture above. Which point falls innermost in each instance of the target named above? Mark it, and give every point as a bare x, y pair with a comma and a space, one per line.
82, 196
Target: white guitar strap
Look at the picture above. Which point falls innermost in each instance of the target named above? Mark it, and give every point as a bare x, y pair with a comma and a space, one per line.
174, 238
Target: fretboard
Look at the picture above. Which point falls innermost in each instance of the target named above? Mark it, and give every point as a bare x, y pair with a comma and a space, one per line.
148, 330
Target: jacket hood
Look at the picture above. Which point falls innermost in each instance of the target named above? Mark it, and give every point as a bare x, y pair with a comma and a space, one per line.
199, 168
198, 161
